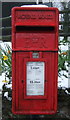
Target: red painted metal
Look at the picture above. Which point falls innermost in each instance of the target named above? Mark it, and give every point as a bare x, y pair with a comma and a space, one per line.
34, 30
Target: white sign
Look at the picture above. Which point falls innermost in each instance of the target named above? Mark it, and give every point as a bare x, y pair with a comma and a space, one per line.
35, 78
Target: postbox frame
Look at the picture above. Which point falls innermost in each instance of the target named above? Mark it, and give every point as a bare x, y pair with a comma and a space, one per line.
51, 54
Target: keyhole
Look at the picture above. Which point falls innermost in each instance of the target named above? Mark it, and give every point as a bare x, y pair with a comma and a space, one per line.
22, 81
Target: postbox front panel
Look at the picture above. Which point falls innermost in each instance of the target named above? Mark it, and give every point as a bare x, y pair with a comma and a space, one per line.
30, 40
34, 60
33, 28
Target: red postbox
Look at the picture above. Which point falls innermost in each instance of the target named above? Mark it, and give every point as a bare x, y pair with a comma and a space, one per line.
34, 60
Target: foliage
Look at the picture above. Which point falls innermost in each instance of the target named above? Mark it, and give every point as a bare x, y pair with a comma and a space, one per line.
63, 57
5, 60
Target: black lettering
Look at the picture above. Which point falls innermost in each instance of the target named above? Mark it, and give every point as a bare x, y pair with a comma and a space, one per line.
35, 67
31, 81
37, 82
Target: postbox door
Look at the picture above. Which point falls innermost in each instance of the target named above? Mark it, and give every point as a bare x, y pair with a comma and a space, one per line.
34, 94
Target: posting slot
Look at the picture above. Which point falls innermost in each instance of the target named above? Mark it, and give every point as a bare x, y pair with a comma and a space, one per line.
35, 28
